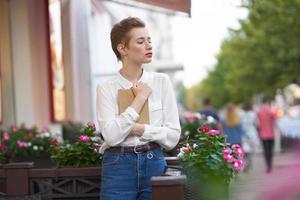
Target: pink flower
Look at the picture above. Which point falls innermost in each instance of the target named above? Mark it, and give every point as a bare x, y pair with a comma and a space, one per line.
226, 152
191, 118
14, 128
186, 150
92, 125
84, 138
238, 165
22, 144
45, 129
214, 132
6, 136
204, 129
235, 146
227, 156
239, 152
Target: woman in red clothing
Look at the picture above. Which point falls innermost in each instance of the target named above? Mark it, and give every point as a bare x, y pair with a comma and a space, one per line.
266, 122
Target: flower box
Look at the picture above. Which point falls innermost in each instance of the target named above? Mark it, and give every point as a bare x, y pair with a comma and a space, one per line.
21, 179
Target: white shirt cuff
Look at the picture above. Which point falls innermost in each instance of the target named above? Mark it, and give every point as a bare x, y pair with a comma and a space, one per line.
133, 114
147, 136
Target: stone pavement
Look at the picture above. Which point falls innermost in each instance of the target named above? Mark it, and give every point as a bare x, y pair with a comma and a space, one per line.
256, 184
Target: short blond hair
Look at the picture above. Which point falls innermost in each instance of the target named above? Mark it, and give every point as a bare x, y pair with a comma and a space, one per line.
119, 32
232, 117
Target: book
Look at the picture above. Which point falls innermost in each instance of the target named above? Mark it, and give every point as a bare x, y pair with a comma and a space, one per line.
125, 98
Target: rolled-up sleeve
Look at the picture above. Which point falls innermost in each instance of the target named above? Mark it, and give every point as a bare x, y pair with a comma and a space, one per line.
168, 134
114, 128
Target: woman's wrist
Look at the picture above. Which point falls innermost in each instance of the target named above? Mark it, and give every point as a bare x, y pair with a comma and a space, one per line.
141, 97
138, 129
138, 103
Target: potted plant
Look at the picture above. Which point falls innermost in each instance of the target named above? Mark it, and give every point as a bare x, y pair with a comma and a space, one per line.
190, 123
24, 144
210, 163
84, 152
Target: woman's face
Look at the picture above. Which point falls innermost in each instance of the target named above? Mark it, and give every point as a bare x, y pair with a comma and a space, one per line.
139, 49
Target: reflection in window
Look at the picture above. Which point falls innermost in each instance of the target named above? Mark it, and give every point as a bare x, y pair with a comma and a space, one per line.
57, 68
0, 94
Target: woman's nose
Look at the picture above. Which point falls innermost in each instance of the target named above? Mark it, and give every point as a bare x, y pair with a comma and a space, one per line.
148, 46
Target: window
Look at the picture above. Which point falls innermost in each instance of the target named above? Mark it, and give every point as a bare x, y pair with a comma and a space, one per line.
58, 96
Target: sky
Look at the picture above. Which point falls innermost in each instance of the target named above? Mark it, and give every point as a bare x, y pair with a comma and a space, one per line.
197, 40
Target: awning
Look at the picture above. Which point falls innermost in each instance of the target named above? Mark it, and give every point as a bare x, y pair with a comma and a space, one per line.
164, 6
176, 5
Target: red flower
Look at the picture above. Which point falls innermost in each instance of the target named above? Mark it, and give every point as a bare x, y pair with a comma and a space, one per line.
53, 141
30, 135
204, 129
2, 146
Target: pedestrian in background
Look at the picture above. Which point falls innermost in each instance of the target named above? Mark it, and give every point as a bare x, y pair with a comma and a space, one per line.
210, 113
209, 110
250, 140
266, 124
231, 125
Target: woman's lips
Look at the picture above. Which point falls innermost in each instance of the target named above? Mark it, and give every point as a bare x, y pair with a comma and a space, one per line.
149, 54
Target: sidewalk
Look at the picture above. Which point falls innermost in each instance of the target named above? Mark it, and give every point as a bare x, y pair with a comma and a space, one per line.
251, 185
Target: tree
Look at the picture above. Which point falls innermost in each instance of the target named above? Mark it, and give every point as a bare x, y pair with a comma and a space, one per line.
260, 57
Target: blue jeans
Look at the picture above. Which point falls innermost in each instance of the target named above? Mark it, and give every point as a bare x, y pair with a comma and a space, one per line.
126, 176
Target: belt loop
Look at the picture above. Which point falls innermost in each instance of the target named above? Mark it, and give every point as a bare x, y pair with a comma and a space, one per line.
148, 146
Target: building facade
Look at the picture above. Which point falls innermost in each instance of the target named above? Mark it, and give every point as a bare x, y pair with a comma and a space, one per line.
53, 53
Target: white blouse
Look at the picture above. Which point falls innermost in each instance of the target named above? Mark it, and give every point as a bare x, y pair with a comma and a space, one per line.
164, 126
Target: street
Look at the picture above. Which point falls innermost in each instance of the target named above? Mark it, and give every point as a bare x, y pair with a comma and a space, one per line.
256, 184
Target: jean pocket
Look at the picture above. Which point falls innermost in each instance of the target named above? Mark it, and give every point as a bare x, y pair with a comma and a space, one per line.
155, 155
110, 158
156, 164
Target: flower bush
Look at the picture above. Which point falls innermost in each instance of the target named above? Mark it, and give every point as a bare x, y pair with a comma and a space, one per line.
23, 141
190, 122
84, 152
210, 162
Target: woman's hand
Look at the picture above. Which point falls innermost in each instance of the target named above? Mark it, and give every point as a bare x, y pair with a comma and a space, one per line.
137, 130
141, 90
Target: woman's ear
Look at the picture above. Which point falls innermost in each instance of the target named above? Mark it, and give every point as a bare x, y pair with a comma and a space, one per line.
121, 48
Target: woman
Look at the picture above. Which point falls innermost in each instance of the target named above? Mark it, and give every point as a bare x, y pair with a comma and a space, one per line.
231, 125
250, 141
266, 130
132, 151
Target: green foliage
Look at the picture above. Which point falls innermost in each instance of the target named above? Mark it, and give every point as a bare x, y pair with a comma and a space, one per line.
205, 159
71, 130
84, 152
181, 92
193, 100
190, 123
22, 141
210, 163
260, 57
